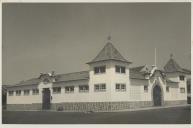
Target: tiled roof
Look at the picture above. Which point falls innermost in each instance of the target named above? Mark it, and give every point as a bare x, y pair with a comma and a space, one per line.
170, 81
137, 69
173, 66
59, 78
143, 68
72, 76
186, 70
136, 75
109, 52
33, 81
138, 72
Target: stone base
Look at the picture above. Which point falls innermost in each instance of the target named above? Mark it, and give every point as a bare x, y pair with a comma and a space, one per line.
99, 106
177, 102
92, 106
22, 107
83, 106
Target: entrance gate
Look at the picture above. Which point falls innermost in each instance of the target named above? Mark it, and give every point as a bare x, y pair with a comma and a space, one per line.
46, 98
157, 96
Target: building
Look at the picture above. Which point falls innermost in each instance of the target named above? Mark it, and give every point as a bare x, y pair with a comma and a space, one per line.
109, 85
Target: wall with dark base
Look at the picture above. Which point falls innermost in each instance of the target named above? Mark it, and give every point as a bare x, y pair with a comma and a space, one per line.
22, 107
92, 106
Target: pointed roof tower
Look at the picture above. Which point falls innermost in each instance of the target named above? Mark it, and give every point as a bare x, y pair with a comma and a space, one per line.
109, 52
172, 66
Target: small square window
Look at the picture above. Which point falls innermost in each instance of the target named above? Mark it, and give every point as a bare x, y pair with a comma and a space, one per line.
18, 92
96, 70
69, 89
119, 69
83, 88
100, 87
182, 90
56, 90
26, 92
167, 88
101, 69
11, 93
145, 88
181, 78
120, 87
35, 91
122, 69
117, 86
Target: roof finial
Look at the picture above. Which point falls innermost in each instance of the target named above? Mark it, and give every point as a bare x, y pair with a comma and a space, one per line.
109, 38
171, 56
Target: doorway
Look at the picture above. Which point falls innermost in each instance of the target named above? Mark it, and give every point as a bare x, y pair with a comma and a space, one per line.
46, 98
157, 96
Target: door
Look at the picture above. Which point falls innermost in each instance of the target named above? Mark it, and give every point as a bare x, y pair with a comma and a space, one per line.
46, 98
157, 96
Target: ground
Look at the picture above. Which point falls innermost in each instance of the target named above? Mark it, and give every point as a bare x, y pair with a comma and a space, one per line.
174, 115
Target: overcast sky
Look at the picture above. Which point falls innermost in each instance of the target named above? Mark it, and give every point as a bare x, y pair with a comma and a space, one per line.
63, 37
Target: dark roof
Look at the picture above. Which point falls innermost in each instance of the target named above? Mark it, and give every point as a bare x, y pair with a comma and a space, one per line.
72, 76
139, 69
172, 66
59, 78
186, 70
136, 75
170, 81
109, 52
138, 72
33, 81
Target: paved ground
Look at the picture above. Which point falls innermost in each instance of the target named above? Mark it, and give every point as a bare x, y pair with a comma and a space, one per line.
175, 115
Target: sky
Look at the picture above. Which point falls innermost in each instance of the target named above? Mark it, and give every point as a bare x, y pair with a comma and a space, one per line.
64, 37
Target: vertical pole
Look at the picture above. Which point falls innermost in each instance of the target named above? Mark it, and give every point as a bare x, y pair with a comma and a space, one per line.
155, 56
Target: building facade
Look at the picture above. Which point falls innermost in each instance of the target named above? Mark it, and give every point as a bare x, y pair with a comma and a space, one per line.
110, 84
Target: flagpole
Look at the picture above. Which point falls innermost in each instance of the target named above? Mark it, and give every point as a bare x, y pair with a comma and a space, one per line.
155, 56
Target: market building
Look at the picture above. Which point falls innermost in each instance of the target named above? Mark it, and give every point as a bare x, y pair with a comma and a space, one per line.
110, 84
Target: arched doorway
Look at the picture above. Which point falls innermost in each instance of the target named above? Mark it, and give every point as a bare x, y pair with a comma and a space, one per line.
157, 95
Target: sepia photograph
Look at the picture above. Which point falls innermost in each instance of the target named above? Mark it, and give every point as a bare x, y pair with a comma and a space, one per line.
96, 63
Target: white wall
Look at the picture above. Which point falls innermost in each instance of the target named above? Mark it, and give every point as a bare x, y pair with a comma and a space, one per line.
23, 99
134, 88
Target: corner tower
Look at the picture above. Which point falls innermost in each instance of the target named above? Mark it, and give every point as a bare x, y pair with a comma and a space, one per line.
109, 72
178, 74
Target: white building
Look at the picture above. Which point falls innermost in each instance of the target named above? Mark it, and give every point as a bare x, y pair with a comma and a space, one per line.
110, 84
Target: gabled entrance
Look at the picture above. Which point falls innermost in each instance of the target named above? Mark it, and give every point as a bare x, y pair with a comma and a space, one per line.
46, 98
157, 95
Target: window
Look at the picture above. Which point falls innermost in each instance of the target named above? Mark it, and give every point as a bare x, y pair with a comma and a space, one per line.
11, 93
83, 88
120, 87
145, 88
182, 90
120, 69
56, 90
167, 88
26, 92
35, 91
69, 89
18, 92
101, 69
100, 87
181, 78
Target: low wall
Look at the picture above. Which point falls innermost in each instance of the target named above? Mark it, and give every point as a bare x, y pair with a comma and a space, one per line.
92, 106
173, 103
22, 107
100, 106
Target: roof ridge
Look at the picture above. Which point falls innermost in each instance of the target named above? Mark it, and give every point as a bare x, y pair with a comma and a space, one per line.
72, 73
